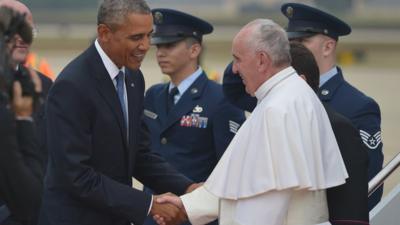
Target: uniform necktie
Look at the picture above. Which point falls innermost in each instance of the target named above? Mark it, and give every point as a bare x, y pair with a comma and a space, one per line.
171, 98
121, 95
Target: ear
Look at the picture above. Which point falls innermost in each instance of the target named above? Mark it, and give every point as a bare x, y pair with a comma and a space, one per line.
103, 33
195, 50
263, 61
329, 47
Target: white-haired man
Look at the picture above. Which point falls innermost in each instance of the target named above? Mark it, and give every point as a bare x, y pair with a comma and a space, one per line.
283, 157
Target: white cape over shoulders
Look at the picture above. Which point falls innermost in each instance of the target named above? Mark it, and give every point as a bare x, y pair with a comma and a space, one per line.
287, 142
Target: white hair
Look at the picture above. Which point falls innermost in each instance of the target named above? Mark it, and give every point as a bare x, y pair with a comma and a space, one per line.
266, 35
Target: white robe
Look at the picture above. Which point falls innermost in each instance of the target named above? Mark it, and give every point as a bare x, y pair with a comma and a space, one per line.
278, 165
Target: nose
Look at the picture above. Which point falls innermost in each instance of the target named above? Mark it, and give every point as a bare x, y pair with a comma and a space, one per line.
145, 44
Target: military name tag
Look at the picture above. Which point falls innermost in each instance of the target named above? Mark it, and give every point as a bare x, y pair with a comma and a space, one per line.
150, 114
194, 120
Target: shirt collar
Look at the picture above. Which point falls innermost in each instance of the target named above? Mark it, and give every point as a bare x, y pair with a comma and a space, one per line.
263, 90
327, 76
111, 68
187, 82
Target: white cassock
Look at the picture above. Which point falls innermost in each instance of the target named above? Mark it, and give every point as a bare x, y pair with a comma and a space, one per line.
277, 167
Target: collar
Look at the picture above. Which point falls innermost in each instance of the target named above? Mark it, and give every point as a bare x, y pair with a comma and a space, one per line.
263, 90
328, 75
111, 68
187, 82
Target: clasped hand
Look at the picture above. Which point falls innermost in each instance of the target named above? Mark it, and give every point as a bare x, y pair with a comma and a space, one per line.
168, 209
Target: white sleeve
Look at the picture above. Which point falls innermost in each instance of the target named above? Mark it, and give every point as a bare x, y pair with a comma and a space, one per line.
201, 206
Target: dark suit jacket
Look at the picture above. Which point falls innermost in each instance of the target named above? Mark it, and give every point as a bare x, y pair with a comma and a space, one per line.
21, 171
40, 118
347, 203
91, 162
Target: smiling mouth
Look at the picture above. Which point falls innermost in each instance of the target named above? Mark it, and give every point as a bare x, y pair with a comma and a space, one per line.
139, 57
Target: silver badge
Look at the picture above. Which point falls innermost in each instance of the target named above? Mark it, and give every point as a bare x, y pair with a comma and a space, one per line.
198, 109
150, 114
158, 18
289, 12
325, 92
194, 90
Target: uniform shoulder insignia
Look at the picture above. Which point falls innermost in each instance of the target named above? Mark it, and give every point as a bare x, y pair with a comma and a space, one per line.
233, 126
371, 141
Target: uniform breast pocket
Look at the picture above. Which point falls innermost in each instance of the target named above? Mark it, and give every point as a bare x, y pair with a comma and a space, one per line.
193, 130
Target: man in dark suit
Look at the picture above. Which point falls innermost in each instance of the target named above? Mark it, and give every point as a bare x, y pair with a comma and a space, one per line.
97, 139
192, 127
347, 203
319, 32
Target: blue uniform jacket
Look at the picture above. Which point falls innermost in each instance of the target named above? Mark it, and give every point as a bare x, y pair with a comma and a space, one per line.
195, 134
365, 115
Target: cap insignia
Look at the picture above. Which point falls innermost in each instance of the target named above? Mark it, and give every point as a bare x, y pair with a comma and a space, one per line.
158, 18
289, 12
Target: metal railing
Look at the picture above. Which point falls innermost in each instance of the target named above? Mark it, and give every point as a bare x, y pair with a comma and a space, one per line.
378, 180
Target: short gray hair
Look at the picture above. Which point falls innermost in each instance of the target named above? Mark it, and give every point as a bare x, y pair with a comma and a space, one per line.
270, 37
114, 12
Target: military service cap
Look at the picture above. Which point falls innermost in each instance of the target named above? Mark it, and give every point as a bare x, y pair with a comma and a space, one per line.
305, 21
172, 26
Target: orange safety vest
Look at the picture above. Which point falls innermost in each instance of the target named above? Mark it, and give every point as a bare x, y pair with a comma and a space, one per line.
43, 66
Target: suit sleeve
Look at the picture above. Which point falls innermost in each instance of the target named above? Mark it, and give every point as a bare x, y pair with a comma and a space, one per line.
153, 171
226, 122
69, 142
20, 175
368, 122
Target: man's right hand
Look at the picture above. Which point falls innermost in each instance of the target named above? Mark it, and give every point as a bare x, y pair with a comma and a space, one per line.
21, 105
165, 212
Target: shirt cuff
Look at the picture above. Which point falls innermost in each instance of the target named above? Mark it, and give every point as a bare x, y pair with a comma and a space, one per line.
151, 205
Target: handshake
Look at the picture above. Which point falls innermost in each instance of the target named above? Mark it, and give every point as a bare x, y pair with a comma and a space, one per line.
168, 209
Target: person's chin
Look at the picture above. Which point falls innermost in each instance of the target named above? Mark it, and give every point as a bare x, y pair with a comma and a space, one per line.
134, 66
19, 57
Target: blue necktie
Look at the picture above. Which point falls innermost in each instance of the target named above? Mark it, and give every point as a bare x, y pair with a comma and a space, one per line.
121, 95
171, 98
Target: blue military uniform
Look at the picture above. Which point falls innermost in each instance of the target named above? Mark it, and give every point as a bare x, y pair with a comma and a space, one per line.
193, 134
363, 111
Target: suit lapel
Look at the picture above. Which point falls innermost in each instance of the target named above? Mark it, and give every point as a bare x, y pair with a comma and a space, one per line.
187, 102
327, 91
160, 104
106, 88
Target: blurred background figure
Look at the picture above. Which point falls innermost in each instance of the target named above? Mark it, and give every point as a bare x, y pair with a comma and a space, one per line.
191, 123
21, 164
19, 55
